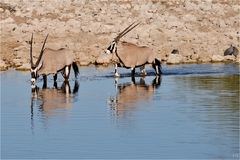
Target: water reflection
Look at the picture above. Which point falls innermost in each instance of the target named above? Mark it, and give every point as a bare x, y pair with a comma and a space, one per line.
225, 88
50, 101
188, 116
213, 103
131, 95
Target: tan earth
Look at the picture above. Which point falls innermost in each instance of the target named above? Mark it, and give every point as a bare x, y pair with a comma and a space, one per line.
200, 29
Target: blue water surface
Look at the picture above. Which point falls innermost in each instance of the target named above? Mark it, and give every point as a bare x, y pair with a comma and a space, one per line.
190, 112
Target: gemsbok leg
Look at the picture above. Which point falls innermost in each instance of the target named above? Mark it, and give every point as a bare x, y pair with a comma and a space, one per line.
143, 70
44, 81
133, 80
55, 85
115, 71
67, 72
132, 72
55, 77
157, 67
66, 88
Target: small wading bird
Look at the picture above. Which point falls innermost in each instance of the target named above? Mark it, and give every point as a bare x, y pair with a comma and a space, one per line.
128, 55
231, 51
52, 62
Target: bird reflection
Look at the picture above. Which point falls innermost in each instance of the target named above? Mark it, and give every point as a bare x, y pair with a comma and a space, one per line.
49, 100
132, 94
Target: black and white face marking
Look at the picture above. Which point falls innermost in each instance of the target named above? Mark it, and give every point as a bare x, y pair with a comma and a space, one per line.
112, 48
34, 72
33, 75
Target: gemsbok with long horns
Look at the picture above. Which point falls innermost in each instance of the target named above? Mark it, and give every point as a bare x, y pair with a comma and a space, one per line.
52, 61
129, 55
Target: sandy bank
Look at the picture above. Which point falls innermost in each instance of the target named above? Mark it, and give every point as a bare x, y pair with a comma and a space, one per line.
201, 30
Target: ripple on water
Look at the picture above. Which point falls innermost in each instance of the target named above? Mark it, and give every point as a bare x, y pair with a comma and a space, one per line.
190, 111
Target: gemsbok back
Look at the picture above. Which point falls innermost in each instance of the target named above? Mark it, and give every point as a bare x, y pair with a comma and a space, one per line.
129, 55
52, 61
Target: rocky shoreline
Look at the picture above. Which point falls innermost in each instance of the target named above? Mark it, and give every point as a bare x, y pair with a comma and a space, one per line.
199, 30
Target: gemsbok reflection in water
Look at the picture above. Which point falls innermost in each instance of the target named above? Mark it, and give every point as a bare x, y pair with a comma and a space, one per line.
50, 100
130, 95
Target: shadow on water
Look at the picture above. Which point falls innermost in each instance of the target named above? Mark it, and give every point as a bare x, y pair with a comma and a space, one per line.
130, 94
50, 101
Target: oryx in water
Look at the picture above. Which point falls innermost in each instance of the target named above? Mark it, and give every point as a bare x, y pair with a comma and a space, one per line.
52, 61
129, 55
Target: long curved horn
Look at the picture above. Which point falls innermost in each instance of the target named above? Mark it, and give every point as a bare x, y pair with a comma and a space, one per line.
130, 29
31, 59
119, 35
125, 31
41, 52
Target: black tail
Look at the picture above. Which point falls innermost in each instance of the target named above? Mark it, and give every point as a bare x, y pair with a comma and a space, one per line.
158, 63
75, 69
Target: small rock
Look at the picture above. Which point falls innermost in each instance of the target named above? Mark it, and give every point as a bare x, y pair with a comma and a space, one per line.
3, 65
7, 13
104, 59
136, 7
84, 63
229, 58
24, 67
175, 51
7, 21
204, 58
84, 59
217, 58
17, 62
238, 59
174, 59
189, 17
194, 57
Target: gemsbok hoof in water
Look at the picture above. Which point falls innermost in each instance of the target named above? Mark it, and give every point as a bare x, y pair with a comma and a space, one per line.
128, 55
52, 62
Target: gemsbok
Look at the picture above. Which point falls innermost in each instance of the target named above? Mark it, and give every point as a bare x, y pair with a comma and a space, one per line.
52, 61
129, 55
